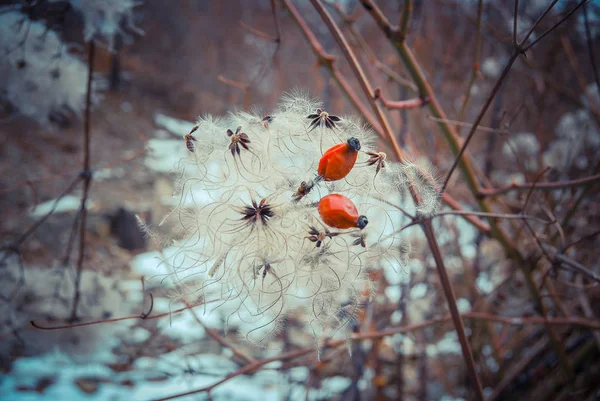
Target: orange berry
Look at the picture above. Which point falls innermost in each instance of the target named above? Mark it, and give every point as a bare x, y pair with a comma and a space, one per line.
337, 161
337, 211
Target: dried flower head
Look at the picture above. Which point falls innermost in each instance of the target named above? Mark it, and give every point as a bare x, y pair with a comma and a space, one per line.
250, 234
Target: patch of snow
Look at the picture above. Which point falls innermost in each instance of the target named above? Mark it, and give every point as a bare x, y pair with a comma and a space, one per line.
418, 291
449, 344
484, 284
182, 326
177, 127
463, 305
67, 203
393, 293
491, 67
163, 154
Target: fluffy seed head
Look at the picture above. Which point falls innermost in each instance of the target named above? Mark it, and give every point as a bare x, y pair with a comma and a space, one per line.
249, 232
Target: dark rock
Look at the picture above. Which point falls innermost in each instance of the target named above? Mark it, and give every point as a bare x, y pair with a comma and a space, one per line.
124, 226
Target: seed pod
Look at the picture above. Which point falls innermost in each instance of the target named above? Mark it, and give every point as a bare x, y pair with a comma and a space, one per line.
340, 212
337, 161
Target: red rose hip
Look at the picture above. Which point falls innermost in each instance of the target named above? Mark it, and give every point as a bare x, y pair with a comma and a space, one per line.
338, 211
337, 161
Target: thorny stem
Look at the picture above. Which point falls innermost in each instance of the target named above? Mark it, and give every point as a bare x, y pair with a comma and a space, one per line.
87, 177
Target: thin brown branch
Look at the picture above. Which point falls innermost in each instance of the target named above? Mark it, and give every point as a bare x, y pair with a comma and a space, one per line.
544, 186
555, 255
371, 56
579, 75
86, 174
328, 61
518, 321
537, 22
530, 192
482, 112
475, 65
552, 28
590, 45
517, 51
399, 104
493, 216
451, 300
215, 336
395, 76
405, 19
231, 82
515, 19
16, 244
360, 76
278, 39
143, 316
499, 131
259, 33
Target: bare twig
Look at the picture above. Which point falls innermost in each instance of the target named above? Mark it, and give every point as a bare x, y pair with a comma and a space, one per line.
360, 76
276, 21
544, 186
476, 63
519, 49
399, 104
215, 336
258, 33
515, 19
16, 244
240, 85
553, 27
143, 316
590, 46
555, 255
456, 319
86, 174
493, 216
486, 105
406, 17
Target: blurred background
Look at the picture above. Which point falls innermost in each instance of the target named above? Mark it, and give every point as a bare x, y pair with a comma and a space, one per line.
158, 65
